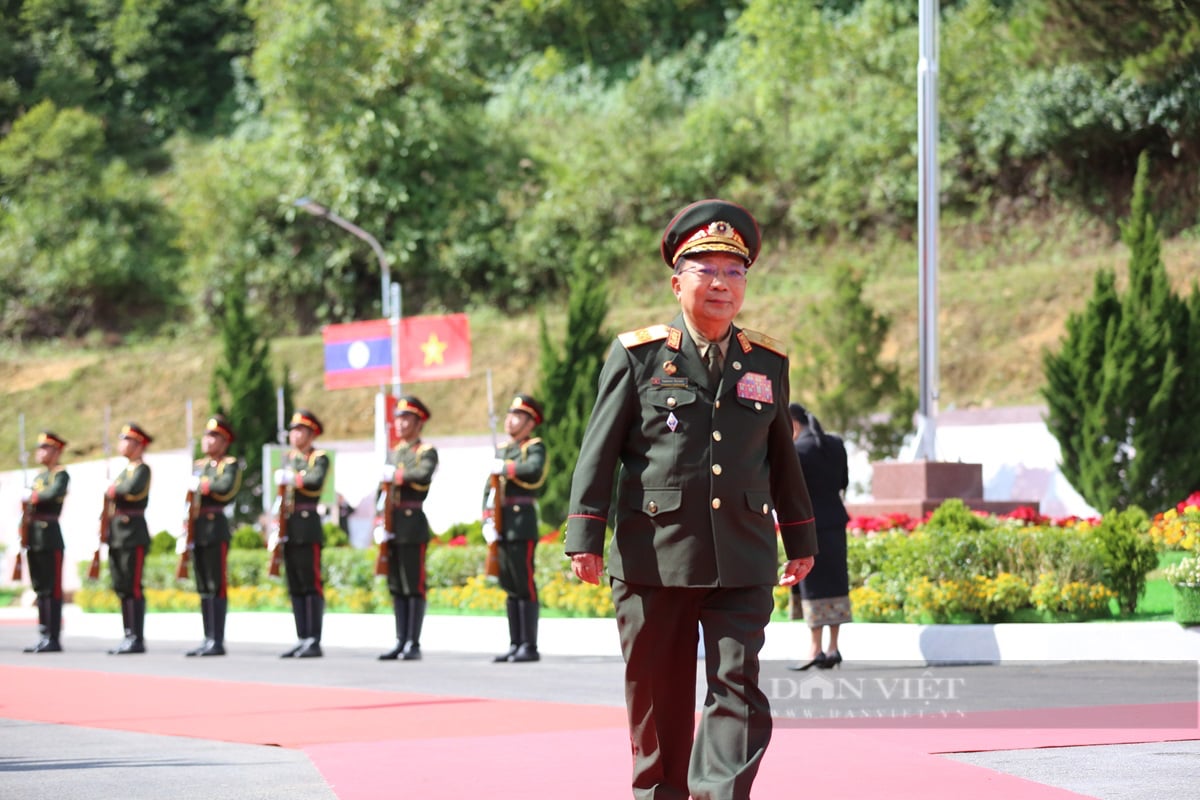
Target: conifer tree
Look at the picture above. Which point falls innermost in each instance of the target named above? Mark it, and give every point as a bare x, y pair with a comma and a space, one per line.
1122, 390
241, 389
841, 377
569, 376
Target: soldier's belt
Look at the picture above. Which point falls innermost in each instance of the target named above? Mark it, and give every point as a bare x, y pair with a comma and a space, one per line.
408, 504
304, 507
518, 502
212, 509
45, 517
130, 512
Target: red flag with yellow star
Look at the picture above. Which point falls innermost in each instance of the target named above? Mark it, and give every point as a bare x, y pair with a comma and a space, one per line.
435, 348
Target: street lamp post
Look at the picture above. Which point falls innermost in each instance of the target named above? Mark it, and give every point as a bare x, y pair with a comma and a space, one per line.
318, 210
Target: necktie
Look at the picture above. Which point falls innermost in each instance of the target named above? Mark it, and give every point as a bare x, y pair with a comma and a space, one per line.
712, 360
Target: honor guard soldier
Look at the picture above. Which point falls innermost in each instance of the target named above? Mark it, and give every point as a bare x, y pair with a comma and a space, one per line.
44, 501
520, 467
303, 475
129, 537
695, 416
216, 479
407, 474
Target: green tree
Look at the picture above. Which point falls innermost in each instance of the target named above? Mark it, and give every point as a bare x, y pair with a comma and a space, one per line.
242, 390
85, 244
569, 376
1116, 389
841, 376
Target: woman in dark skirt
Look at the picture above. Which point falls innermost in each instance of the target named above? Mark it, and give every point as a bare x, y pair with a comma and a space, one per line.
825, 593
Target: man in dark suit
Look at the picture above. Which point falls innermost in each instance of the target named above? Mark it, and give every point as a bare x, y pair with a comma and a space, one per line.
695, 416
303, 475
44, 501
128, 536
517, 475
408, 472
216, 479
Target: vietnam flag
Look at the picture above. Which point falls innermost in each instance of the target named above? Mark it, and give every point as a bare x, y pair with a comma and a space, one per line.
435, 348
431, 348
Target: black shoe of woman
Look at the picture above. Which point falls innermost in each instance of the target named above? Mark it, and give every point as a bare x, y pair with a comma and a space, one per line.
830, 661
818, 662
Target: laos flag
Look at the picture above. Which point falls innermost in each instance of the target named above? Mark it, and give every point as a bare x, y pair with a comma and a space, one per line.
358, 354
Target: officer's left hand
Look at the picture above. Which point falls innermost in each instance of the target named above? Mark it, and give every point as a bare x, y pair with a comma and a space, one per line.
588, 567
795, 570
499, 466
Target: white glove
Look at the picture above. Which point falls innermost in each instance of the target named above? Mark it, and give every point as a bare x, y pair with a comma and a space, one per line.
499, 466
381, 535
389, 473
26, 495
194, 484
273, 539
181, 545
285, 477
489, 531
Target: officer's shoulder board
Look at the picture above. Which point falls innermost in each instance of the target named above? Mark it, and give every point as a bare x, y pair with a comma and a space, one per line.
227, 460
764, 341
423, 447
314, 455
654, 333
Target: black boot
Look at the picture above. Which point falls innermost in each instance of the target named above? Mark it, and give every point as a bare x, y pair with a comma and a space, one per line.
416, 616
127, 622
206, 615
215, 646
43, 643
514, 630
300, 614
400, 611
316, 616
54, 605
139, 626
529, 624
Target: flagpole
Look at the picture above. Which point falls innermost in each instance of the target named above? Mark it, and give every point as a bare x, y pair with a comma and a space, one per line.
395, 321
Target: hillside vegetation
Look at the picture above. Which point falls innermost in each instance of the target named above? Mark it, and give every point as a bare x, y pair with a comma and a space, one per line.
999, 308
151, 157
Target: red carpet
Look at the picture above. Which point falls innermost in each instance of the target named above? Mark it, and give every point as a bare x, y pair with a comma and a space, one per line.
452, 748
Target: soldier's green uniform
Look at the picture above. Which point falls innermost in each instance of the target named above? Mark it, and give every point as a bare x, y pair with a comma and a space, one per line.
45, 545
305, 472
521, 466
216, 481
414, 463
706, 469
129, 538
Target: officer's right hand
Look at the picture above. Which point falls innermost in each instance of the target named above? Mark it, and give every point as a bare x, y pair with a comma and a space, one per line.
388, 474
284, 477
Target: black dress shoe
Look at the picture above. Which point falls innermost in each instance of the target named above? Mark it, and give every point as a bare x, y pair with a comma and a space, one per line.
831, 660
393, 654
199, 651
818, 662
504, 657
213, 648
292, 653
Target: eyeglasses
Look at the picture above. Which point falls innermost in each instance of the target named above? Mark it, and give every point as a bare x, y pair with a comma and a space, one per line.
709, 274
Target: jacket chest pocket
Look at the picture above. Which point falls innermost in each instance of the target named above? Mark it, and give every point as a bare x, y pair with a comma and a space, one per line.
669, 401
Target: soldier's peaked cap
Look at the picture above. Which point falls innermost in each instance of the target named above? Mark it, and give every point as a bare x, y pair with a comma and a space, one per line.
132, 430
51, 439
410, 404
217, 423
528, 405
711, 226
303, 418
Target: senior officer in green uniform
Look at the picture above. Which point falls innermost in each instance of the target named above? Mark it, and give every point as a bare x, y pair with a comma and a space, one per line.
520, 466
303, 475
407, 473
695, 416
129, 537
45, 545
216, 479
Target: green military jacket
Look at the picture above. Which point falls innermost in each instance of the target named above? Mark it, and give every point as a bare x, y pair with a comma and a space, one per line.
704, 471
304, 523
131, 496
220, 480
524, 475
49, 492
417, 461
